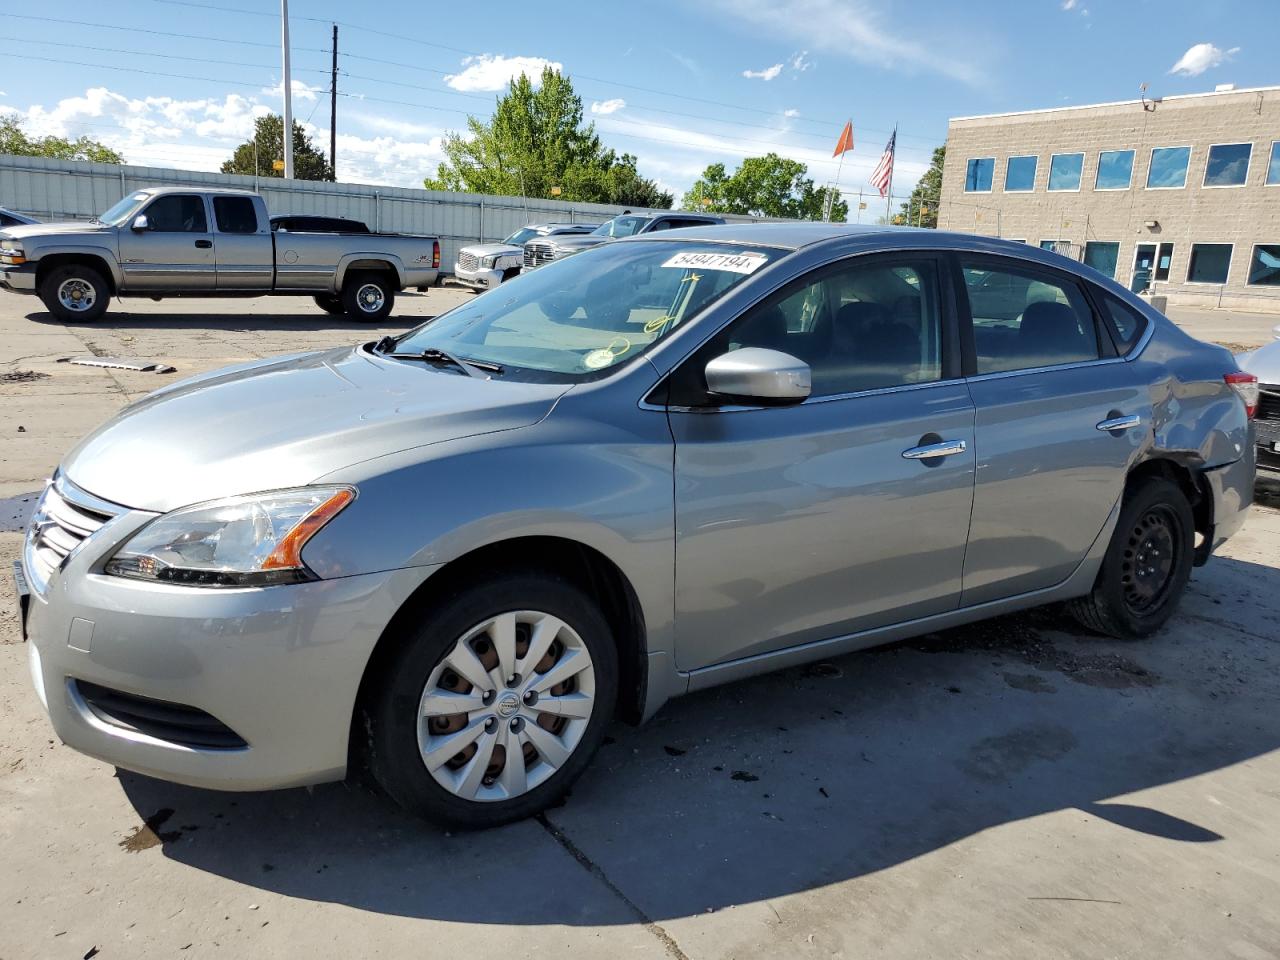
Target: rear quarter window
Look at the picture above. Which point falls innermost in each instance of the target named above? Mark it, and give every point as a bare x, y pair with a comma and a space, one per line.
1125, 323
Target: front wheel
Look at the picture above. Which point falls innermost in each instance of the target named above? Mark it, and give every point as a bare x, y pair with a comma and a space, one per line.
75, 293
1146, 567
496, 703
368, 297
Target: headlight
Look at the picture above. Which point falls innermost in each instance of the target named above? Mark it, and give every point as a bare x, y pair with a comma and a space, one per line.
489, 262
11, 252
240, 542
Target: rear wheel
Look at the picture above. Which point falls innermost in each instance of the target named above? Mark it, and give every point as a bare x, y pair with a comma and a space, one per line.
368, 296
496, 703
1147, 564
330, 304
75, 293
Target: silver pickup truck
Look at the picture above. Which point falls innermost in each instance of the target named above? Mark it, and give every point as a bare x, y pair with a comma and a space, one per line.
176, 242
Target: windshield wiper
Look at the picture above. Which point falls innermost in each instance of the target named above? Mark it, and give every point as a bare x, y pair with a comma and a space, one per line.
434, 355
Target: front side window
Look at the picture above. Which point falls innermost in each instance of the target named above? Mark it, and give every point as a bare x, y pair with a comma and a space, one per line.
1168, 168
1020, 174
1023, 318
1065, 170
978, 173
177, 213
235, 215
1209, 263
1102, 255
1273, 167
1264, 265
1115, 170
1228, 165
574, 318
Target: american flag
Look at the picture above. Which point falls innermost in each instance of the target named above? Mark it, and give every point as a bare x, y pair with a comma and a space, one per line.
882, 175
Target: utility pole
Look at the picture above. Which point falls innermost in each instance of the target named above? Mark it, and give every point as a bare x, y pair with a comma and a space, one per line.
333, 109
287, 89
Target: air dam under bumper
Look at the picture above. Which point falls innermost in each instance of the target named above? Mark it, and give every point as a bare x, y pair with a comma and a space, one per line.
280, 666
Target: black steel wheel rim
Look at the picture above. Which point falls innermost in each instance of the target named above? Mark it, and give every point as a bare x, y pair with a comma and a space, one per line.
1150, 560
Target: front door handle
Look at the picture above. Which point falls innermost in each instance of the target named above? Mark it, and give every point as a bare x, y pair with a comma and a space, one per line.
1116, 424
204, 244
946, 448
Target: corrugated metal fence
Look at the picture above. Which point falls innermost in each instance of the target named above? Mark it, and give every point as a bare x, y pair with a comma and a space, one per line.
74, 189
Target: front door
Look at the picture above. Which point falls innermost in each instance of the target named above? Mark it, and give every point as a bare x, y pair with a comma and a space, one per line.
174, 252
1046, 379
821, 519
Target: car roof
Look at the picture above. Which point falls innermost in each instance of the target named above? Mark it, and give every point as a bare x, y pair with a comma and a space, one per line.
193, 188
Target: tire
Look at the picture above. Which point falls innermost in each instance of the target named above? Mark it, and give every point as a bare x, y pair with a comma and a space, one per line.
330, 304
75, 293
368, 297
403, 729
1146, 567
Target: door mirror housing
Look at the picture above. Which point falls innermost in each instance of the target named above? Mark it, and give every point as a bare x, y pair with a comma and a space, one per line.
140, 222
755, 375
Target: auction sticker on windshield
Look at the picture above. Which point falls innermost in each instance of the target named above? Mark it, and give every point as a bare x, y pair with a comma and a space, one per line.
731, 262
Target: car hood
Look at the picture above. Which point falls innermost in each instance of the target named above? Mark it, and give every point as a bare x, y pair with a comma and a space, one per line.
1263, 363
576, 243
37, 230
489, 249
285, 422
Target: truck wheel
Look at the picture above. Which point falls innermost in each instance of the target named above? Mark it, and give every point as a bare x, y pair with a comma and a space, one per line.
330, 304
75, 293
368, 297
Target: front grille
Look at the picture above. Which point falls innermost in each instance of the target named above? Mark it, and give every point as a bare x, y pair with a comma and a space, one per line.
65, 517
467, 261
174, 722
536, 254
1267, 418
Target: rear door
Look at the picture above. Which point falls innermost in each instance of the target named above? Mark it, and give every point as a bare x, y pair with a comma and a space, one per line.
175, 252
1046, 384
820, 519
243, 254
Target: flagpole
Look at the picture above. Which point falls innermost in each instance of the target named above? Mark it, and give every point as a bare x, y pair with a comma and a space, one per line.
893, 162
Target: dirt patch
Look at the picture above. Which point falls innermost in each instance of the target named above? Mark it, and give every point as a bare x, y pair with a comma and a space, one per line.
1029, 682
22, 376
149, 835
999, 758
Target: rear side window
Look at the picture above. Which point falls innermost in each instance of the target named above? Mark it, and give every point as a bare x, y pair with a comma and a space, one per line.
177, 213
1126, 323
1023, 318
235, 215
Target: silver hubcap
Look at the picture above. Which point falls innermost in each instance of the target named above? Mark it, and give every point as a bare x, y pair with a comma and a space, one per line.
370, 298
507, 706
76, 294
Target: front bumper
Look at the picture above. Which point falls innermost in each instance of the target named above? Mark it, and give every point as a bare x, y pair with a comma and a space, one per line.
19, 279
477, 279
280, 666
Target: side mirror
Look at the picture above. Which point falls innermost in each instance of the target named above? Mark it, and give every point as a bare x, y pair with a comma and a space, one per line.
140, 222
759, 376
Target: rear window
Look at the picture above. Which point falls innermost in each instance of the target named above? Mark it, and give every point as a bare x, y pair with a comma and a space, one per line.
1126, 323
235, 215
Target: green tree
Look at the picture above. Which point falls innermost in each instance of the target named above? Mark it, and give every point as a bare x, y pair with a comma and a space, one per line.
921, 208
536, 141
768, 186
14, 140
267, 146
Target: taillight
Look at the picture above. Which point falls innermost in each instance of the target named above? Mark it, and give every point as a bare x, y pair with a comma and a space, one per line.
1246, 387
435, 257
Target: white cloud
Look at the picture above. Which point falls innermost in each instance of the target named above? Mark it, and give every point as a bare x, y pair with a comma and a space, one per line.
791, 112
608, 106
1069, 4
492, 72
767, 74
800, 62
1201, 57
301, 90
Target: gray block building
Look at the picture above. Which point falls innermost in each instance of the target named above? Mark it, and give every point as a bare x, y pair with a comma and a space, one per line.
1182, 190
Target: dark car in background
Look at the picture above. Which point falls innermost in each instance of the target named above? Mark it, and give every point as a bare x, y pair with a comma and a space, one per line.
310, 224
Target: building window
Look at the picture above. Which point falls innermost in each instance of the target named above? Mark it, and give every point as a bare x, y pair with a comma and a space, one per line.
977, 178
1055, 246
1064, 171
1228, 165
1153, 260
1102, 255
1168, 168
1115, 170
1020, 174
1209, 263
1273, 168
1264, 267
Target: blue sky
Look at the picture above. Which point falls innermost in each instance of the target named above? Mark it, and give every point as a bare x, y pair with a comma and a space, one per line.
679, 85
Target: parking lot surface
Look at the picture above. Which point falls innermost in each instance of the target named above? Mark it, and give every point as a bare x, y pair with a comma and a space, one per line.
1014, 789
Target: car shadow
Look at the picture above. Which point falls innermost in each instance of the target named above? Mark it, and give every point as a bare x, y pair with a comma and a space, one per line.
800, 779
120, 320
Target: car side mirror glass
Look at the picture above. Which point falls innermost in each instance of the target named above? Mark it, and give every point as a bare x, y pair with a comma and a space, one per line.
140, 222
756, 375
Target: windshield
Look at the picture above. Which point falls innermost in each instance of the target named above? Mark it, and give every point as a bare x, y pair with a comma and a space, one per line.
623, 226
576, 317
125, 209
518, 238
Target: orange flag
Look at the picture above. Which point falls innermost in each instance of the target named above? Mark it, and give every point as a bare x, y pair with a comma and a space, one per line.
846, 139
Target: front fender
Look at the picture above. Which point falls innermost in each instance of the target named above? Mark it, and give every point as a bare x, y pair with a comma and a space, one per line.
106, 254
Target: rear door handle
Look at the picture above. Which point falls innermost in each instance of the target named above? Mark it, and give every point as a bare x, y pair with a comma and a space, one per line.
204, 244
1116, 424
947, 448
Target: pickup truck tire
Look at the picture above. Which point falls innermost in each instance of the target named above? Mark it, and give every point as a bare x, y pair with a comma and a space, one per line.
368, 297
330, 304
75, 293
